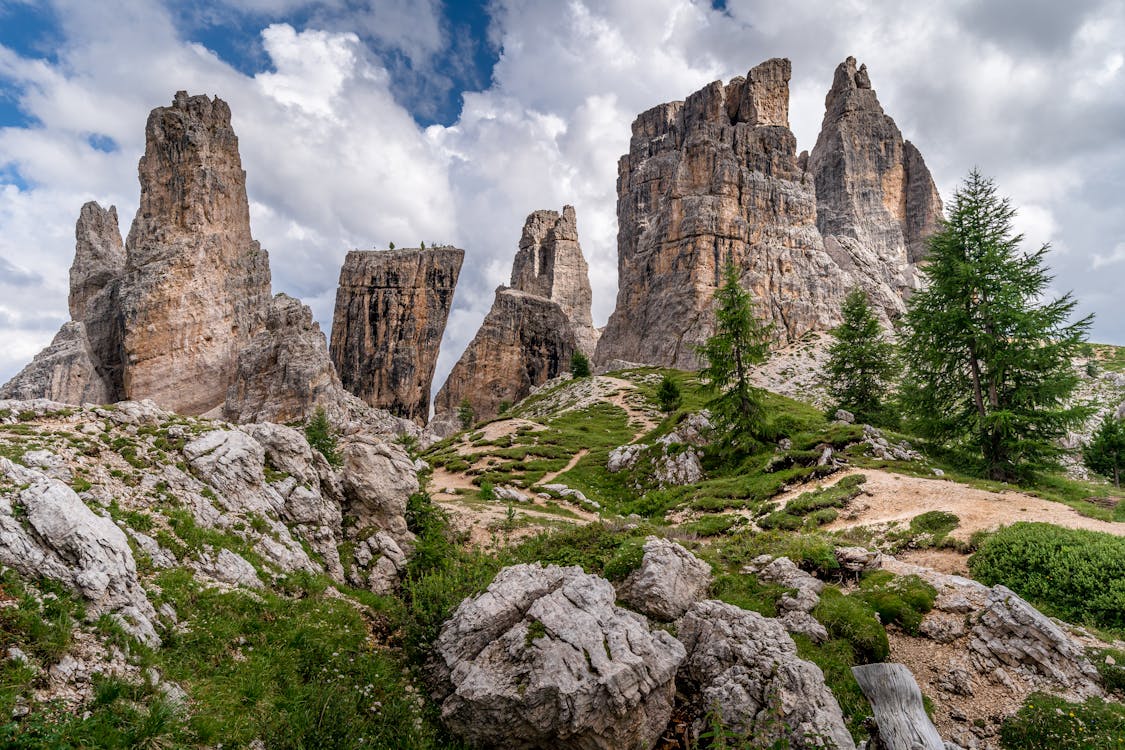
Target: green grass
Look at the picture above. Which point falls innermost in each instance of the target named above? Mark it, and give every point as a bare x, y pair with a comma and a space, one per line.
852, 619
1046, 721
1072, 574
814, 508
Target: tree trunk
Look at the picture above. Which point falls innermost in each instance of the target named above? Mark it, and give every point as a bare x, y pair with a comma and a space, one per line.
897, 703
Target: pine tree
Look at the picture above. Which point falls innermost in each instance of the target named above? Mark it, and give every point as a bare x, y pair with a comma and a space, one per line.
465, 414
579, 365
861, 364
740, 341
1106, 452
988, 363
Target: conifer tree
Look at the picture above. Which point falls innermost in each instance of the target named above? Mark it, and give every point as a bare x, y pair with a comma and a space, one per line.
740, 341
579, 365
668, 394
988, 362
861, 364
1106, 452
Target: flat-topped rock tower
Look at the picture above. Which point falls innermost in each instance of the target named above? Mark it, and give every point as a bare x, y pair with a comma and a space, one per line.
391, 311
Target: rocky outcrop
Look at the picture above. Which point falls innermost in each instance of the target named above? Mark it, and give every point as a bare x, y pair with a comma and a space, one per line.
83, 363
54, 535
745, 667
544, 658
669, 581
65, 371
196, 284
1005, 639
876, 201
716, 178
533, 328
391, 311
283, 374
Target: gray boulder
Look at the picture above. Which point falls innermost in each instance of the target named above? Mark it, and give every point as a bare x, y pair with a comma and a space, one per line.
544, 658
746, 667
62, 539
669, 581
378, 478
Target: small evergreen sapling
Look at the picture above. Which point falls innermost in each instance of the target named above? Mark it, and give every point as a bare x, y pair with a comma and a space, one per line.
1105, 454
668, 394
579, 365
861, 364
465, 414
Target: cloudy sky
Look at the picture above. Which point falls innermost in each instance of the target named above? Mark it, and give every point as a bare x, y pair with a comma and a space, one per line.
364, 122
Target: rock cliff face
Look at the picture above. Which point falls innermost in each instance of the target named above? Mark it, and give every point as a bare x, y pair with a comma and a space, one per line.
391, 311
196, 284
717, 178
875, 196
534, 327
181, 313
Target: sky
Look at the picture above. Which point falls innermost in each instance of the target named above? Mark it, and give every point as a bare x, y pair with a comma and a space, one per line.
365, 122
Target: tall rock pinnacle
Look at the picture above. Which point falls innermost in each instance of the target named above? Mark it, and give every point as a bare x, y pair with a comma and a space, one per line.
534, 327
873, 189
196, 284
391, 311
83, 363
716, 178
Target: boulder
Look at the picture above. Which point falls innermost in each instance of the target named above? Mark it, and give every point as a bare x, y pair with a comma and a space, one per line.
745, 667
378, 478
669, 581
544, 658
56, 536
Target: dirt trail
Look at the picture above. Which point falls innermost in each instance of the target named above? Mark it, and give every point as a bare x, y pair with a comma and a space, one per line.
893, 497
642, 419
552, 476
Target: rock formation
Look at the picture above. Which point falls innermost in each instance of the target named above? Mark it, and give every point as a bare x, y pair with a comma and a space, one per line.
716, 178
669, 580
181, 313
746, 667
83, 362
391, 311
544, 658
196, 284
534, 326
876, 201
283, 374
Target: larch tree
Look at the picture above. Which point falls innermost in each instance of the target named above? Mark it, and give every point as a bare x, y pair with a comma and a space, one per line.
988, 358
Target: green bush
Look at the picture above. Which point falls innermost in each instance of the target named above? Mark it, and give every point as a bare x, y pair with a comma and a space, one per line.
900, 599
668, 394
1048, 721
853, 620
486, 490
1073, 574
935, 522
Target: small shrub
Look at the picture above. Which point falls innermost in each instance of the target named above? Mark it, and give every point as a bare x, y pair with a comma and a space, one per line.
505, 405
322, 437
486, 490
853, 620
935, 522
668, 394
465, 414
1110, 663
899, 599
